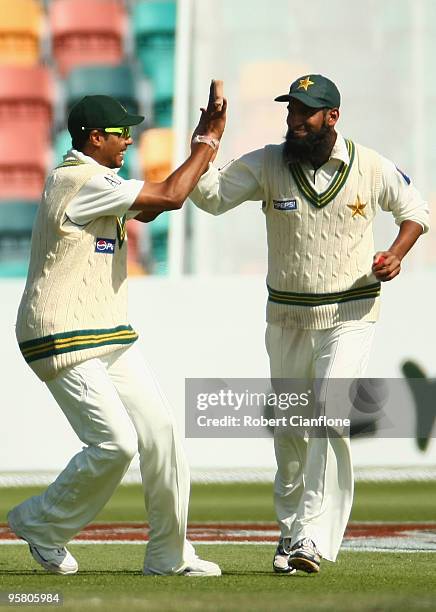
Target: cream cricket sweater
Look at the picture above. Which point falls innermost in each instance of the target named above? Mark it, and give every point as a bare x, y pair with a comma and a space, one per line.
74, 305
320, 246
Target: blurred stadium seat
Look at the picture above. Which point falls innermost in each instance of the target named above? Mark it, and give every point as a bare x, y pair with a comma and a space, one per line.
26, 93
20, 32
134, 232
127, 169
159, 244
16, 222
163, 92
84, 40
117, 81
24, 154
62, 143
156, 148
86, 32
154, 25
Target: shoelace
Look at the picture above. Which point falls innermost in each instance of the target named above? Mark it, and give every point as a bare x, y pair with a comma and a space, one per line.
308, 545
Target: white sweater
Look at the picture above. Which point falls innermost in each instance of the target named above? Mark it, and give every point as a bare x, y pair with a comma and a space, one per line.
74, 305
319, 254
320, 245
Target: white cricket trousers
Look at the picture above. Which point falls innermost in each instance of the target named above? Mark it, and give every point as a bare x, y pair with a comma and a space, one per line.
116, 408
313, 489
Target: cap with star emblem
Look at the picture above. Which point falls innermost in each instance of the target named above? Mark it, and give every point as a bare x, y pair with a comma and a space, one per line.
313, 90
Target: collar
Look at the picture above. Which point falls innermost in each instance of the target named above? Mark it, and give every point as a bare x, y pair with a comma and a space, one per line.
74, 154
339, 150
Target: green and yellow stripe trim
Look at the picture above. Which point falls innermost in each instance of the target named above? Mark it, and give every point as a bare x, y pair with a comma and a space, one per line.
70, 162
321, 299
121, 230
322, 199
66, 342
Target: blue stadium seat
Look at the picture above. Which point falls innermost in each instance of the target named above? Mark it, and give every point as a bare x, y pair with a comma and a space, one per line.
154, 25
116, 81
16, 223
62, 143
159, 244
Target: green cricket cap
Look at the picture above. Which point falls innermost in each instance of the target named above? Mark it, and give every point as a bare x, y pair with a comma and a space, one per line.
314, 90
100, 112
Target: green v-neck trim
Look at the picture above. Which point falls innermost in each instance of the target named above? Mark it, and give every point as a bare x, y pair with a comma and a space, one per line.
322, 199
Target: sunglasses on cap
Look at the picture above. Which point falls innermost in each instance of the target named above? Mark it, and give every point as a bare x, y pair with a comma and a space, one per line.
125, 132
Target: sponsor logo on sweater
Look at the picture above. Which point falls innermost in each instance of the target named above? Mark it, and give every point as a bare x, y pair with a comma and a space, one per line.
113, 180
285, 204
105, 245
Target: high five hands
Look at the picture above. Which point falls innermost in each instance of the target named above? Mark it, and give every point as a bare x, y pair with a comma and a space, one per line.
213, 118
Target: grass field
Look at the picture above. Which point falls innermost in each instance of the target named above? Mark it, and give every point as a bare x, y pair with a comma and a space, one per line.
387, 501
110, 574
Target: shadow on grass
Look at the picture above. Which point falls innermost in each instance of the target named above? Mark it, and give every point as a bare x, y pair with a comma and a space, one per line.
81, 573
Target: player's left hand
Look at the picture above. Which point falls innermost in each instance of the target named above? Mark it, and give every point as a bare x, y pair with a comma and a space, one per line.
386, 265
213, 118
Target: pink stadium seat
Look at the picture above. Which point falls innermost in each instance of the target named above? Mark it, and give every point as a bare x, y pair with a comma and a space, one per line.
26, 92
24, 154
134, 266
20, 32
87, 32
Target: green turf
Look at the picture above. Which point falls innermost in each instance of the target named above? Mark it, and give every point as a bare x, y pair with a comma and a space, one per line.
110, 578
398, 501
110, 575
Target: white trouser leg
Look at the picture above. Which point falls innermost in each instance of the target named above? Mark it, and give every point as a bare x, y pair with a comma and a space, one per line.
321, 495
92, 406
288, 348
164, 468
114, 405
340, 353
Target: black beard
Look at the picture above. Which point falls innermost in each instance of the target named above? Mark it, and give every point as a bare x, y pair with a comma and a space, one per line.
311, 148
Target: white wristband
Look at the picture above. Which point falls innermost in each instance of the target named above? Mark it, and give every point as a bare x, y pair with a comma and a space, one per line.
212, 142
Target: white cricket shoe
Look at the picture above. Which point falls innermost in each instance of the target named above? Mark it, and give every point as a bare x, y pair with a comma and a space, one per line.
55, 560
305, 556
195, 568
199, 567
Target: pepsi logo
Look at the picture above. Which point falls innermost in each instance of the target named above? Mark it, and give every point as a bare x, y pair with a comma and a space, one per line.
105, 245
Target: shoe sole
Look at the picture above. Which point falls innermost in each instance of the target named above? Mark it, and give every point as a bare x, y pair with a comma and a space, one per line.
304, 565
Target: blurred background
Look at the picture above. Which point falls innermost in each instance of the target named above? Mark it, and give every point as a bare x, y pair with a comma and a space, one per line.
197, 291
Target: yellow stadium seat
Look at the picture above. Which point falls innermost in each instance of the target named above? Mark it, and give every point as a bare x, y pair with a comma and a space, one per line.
20, 32
156, 148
